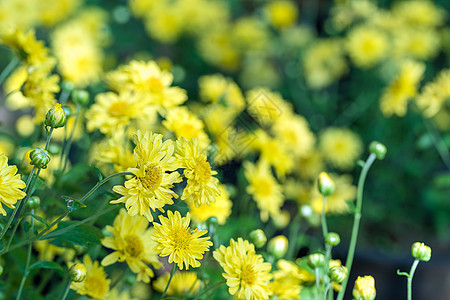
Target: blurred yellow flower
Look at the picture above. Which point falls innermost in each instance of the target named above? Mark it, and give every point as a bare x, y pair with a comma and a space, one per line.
155, 175
435, 94
221, 209
364, 288
247, 274
341, 147
366, 45
396, 96
288, 280
132, 242
419, 13
96, 284
282, 13
202, 186
264, 188
182, 284
175, 239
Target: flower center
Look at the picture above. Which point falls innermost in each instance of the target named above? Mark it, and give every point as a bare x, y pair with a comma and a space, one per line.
96, 287
180, 238
203, 169
134, 246
248, 275
152, 178
263, 187
118, 109
155, 84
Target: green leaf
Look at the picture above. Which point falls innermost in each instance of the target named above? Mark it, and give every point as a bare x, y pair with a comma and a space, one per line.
40, 220
99, 174
75, 233
72, 203
42, 264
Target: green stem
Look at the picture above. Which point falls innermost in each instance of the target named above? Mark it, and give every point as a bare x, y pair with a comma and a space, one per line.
49, 136
27, 265
293, 234
174, 268
356, 221
66, 291
324, 219
9, 68
316, 273
326, 291
68, 142
91, 191
438, 143
22, 204
214, 286
410, 278
13, 215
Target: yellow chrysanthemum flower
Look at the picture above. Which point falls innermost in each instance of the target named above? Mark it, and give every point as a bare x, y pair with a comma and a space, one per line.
202, 186
154, 176
221, 209
435, 94
364, 288
149, 82
182, 284
175, 239
10, 185
96, 284
264, 188
337, 202
246, 272
132, 243
341, 147
282, 13
366, 45
419, 13
185, 124
396, 96
267, 106
219, 89
288, 280
112, 112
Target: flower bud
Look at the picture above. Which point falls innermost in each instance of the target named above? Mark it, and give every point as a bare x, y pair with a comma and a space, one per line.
80, 97
281, 220
378, 149
315, 260
326, 185
67, 86
421, 251
56, 117
332, 239
77, 272
364, 288
39, 158
258, 238
278, 246
33, 202
337, 274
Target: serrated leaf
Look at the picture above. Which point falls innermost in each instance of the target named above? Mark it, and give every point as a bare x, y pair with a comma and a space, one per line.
43, 264
75, 233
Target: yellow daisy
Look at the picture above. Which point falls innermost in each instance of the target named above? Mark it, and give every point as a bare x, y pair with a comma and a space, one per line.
220, 209
435, 94
264, 188
132, 243
341, 147
366, 45
202, 187
176, 240
154, 176
10, 185
96, 284
288, 280
246, 272
182, 284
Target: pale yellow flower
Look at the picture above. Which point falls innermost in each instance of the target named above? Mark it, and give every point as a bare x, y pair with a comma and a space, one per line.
96, 284
182, 284
10, 185
221, 209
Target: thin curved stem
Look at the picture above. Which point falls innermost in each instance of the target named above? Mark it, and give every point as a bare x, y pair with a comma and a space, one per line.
68, 142
326, 291
356, 221
66, 291
8, 69
27, 264
324, 218
410, 277
174, 268
438, 142
316, 273
213, 287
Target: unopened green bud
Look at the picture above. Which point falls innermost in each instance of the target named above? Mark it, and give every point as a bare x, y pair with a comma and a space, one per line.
258, 238
378, 149
421, 251
78, 272
212, 221
33, 202
364, 288
326, 185
278, 246
337, 274
315, 260
39, 158
56, 117
332, 239
67, 86
80, 97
